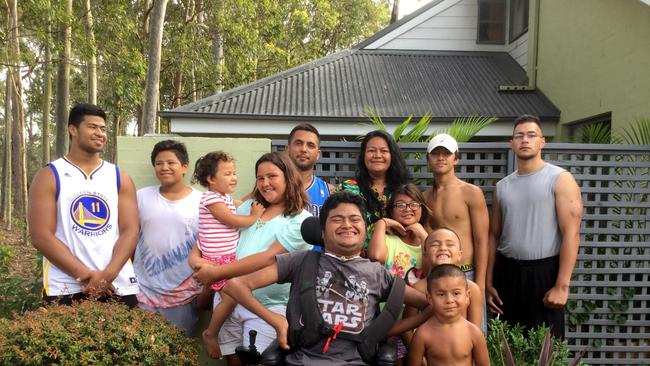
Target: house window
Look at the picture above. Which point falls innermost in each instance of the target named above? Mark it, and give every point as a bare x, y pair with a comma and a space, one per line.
491, 21
592, 130
518, 22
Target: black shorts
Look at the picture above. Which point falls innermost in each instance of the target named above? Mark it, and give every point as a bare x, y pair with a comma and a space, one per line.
522, 285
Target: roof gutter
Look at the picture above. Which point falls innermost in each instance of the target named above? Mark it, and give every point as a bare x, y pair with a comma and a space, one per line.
533, 43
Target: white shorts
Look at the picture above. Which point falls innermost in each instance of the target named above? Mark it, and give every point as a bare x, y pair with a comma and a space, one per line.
234, 331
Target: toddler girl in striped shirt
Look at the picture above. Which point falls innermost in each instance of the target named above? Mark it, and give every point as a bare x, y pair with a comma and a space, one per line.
219, 227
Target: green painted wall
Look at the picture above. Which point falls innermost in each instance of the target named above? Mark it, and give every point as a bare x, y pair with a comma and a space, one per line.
134, 157
593, 58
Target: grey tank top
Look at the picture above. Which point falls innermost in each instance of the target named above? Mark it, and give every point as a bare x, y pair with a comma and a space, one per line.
529, 221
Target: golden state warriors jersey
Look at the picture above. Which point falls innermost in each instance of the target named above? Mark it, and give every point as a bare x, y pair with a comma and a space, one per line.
87, 224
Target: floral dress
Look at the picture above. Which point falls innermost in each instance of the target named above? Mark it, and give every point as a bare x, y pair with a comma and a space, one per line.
372, 217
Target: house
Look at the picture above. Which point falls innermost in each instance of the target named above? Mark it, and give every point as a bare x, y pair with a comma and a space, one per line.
454, 58
592, 60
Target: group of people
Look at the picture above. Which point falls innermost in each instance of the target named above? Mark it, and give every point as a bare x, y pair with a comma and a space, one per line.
172, 249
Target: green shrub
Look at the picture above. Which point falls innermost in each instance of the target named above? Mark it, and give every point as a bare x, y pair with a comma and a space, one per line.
92, 333
17, 294
526, 348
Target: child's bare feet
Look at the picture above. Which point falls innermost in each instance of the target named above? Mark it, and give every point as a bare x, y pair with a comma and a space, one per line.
211, 344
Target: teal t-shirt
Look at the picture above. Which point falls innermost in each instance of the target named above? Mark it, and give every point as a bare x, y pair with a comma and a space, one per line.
259, 237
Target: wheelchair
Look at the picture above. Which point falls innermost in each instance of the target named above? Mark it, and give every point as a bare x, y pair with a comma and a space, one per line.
273, 355
385, 353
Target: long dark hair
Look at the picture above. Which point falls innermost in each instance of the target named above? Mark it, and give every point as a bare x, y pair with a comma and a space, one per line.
295, 198
396, 175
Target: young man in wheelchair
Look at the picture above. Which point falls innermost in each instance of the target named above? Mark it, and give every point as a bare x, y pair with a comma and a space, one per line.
333, 315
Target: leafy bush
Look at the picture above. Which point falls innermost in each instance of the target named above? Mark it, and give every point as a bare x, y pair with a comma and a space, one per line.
16, 294
92, 333
510, 345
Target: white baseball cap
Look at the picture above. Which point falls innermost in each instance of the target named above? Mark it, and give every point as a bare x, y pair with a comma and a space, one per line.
444, 140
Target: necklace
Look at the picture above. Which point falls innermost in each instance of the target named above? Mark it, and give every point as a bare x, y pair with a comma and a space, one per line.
342, 258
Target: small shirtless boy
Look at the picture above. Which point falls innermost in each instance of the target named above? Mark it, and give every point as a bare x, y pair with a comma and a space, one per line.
458, 205
447, 338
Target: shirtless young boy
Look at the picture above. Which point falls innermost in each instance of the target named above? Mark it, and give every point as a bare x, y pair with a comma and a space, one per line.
458, 205
447, 338
442, 246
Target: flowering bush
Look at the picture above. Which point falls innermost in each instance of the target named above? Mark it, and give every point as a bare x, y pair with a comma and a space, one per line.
92, 333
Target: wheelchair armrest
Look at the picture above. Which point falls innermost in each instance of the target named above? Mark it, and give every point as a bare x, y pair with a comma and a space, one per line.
273, 355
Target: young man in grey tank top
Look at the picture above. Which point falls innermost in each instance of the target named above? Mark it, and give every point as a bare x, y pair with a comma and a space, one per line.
534, 235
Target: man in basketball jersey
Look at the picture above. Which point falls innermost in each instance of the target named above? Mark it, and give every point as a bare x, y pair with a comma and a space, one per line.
83, 218
303, 149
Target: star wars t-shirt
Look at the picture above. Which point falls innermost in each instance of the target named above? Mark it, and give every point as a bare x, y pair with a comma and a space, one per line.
348, 293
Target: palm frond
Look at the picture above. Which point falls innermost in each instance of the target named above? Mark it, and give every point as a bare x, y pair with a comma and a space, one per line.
596, 133
637, 133
463, 129
417, 133
375, 122
397, 134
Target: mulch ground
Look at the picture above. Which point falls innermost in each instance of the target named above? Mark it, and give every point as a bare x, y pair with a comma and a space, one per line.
24, 258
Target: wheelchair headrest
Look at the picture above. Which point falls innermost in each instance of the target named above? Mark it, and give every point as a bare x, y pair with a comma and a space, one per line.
311, 231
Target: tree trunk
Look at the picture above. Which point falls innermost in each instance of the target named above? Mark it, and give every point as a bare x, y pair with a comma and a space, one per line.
395, 13
195, 93
7, 208
217, 47
47, 95
144, 35
179, 77
153, 67
63, 86
178, 82
91, 65
116, 132
19, 166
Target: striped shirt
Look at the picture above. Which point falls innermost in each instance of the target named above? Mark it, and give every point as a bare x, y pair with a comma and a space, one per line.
216, 239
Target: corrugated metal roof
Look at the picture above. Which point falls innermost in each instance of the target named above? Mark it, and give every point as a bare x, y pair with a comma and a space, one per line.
394, 83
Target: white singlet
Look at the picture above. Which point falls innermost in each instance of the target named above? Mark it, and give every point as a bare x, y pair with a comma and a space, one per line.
87, 224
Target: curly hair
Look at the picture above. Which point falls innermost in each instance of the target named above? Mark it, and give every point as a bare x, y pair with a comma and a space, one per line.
295, 198
396, 175
207, 165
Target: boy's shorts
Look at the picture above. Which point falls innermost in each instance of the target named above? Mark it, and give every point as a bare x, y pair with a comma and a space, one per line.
182, 316
234, 331
470, 276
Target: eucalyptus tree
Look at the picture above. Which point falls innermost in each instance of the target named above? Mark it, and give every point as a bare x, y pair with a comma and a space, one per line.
153, 68
19, 165
63, 81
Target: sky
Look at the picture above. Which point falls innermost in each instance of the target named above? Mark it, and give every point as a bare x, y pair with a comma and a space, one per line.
406, 7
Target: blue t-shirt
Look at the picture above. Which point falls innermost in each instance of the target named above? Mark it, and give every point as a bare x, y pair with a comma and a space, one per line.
259, 237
